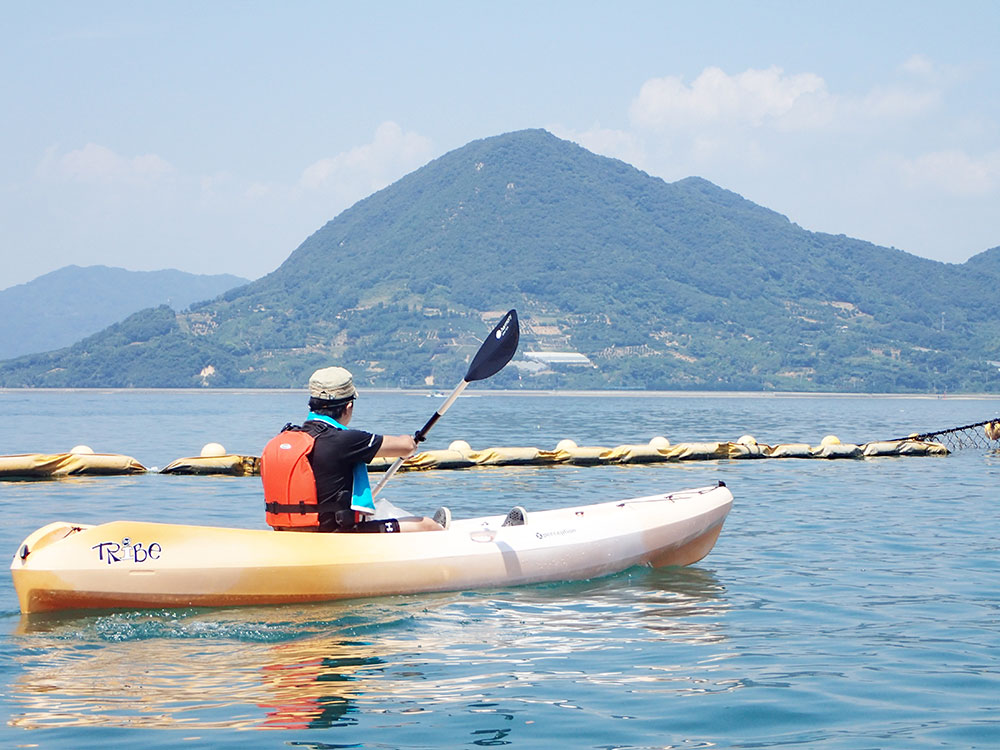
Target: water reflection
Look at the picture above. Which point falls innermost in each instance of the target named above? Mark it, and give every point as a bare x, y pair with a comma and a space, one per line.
315, 684
340, 664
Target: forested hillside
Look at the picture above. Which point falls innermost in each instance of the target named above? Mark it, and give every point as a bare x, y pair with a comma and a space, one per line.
667, 286
60, 308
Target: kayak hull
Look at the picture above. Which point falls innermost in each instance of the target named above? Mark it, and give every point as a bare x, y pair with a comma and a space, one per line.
134, 564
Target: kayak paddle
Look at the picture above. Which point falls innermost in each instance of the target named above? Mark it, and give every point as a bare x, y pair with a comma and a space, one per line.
495, 352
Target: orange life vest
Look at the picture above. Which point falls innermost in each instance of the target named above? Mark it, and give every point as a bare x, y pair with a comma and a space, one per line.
289, 484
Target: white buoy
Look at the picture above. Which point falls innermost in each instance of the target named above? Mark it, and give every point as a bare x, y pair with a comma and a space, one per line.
212, 450
747, 440
81, 450
659, 443
830, 440
565, 445
460, 446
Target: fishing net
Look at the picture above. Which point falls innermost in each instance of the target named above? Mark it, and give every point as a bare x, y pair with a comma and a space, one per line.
982, 435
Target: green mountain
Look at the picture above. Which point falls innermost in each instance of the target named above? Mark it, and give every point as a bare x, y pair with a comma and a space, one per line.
61, 307
652, 285
987, 262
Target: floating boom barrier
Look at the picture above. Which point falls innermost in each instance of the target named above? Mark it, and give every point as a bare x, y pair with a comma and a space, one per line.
52, 465
460, 456
81, 461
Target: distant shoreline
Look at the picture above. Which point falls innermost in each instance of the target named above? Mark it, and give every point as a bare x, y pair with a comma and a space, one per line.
536, 393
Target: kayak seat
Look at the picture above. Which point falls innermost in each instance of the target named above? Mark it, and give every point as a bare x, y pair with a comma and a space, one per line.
517, 516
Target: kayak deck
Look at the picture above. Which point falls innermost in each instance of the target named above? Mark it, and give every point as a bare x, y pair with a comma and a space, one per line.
133, 564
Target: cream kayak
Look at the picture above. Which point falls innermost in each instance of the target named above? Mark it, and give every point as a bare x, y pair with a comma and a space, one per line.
132, 564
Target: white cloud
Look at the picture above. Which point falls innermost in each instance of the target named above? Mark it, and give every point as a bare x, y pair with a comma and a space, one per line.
344, 178
99, 165
754, 97
364, 169
771, 100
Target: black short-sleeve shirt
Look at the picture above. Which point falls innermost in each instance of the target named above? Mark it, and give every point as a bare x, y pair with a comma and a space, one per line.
334, 455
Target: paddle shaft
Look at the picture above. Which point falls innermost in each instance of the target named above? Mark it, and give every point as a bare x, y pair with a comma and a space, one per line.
421, 434
494, 353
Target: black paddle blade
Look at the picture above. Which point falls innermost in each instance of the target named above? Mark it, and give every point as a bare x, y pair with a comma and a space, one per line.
497, 350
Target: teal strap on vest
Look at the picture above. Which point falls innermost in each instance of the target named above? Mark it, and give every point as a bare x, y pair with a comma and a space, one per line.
361, 489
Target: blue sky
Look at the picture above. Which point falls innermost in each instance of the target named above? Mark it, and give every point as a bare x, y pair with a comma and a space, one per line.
215, 137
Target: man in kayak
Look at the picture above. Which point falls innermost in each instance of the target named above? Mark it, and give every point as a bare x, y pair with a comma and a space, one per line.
338, 459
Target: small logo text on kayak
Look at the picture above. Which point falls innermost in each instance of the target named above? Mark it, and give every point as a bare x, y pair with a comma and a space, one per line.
127, 551
560, 532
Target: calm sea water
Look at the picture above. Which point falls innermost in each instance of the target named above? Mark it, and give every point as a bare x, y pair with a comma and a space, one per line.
848, 604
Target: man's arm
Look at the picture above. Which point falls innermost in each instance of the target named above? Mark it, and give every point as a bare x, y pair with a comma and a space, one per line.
397, 446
